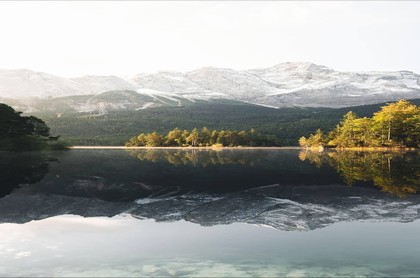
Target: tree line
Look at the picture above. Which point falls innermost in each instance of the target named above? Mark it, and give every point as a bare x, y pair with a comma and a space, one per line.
396, 124
19, 132
115, 128
203, 138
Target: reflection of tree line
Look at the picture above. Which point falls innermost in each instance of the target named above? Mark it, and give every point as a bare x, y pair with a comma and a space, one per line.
394, 172
195, 157
17, 170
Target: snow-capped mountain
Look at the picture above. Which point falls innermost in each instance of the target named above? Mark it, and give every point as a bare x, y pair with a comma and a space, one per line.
285, 84
25, 83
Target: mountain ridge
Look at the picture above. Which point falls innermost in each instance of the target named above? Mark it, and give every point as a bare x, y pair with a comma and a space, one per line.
282, 85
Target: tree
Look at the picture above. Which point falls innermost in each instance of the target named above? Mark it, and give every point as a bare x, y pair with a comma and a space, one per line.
205, 136
315, 140
174, 138
141, 140
303, 142
221, 138
213, 137
243, 138
364, 135
397, 123
185, 134
344, 133
193, 137
154, 139
24, 133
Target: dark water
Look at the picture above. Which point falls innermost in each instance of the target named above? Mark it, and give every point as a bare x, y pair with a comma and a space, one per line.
209, 213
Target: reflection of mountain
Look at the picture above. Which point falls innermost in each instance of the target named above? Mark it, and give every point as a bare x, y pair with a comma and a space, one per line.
393, 172
278, 190
281, 207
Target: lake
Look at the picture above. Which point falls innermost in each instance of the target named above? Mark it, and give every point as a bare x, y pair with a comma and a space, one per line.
207, 213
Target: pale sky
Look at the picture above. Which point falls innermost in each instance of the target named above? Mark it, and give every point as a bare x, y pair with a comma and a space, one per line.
126, 38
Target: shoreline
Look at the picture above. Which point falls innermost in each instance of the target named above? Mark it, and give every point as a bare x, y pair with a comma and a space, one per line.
242, 148
361, 149
365, 149
180, 148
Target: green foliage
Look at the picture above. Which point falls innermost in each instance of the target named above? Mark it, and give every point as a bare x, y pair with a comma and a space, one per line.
395, 125
23, 133
394, 172
398, 124
287, 124
315, 140
203, 137
154, 139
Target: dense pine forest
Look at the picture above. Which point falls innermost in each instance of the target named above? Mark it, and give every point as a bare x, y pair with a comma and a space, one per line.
394, 125
115, 128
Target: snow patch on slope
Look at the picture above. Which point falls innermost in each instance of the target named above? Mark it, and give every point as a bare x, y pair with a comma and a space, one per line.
285, 84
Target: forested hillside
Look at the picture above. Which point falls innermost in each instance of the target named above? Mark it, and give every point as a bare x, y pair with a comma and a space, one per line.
115, 128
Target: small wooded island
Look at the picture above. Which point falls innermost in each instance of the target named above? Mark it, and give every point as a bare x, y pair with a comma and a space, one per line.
23, 133
396, 125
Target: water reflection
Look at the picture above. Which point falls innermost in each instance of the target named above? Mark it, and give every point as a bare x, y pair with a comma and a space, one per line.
21, 169
199, 157
397, 173
273, 188
264, 187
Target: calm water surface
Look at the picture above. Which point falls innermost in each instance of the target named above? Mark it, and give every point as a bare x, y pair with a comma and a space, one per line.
209, 213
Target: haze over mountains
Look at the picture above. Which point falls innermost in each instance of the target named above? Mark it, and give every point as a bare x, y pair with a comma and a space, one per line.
283, 85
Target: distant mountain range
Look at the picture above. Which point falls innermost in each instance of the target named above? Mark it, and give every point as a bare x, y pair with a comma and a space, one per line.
283, 85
